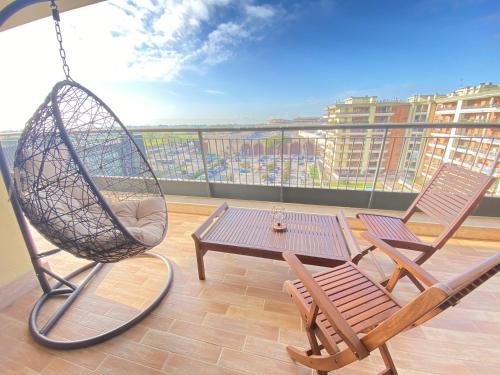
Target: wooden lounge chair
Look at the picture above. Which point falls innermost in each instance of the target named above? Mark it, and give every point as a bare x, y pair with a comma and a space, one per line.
449, 197
347, 315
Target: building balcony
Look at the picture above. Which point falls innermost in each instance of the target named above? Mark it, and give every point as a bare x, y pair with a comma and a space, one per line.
481, 105
239, 320
349, 113
349, 110
88, 186
480, 109
445, 109
479, 121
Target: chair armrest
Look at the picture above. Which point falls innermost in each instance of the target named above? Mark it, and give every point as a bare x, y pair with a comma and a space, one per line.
333, 315
402, 261
351, 242
474, 277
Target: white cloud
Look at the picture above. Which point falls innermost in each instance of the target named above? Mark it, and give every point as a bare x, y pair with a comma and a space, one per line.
260, 11
118, 40
151, 40
218, 46
214, 92
161, 39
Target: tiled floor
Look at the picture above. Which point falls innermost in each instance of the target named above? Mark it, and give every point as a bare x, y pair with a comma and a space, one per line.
238, 321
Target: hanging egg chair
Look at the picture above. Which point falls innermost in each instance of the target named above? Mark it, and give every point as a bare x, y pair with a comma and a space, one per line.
83, 181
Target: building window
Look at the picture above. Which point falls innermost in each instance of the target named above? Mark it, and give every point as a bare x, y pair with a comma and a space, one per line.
384, 109
422, 108
420, 118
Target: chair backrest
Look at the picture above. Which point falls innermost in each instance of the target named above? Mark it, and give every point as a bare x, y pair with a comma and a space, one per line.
450, 196
432, 302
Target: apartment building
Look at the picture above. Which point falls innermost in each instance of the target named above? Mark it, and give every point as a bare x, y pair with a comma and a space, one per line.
422, 109
471, 104
350, 153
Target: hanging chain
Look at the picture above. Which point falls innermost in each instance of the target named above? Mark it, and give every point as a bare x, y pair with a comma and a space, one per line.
62, 52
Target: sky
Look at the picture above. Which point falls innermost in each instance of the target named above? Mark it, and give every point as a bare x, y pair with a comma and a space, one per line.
245, 61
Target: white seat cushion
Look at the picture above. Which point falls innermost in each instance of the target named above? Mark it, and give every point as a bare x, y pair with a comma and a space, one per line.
144, 219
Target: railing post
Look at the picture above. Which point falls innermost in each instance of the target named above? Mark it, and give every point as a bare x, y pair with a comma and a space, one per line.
282, 163
204, 159
495, 162
379, 161
494, 167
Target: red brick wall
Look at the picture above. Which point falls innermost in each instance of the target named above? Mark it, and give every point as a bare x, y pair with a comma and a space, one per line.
394, 145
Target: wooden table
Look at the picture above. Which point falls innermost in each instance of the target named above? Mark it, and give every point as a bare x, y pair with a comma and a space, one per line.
321, 240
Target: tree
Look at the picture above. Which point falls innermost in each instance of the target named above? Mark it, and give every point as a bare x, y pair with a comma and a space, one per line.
314, 172
286, 170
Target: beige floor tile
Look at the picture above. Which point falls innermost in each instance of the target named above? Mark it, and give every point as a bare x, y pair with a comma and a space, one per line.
245, 327
134, 352
182, 345
258, 365
118, 366
210, 335
59, 367
180, 365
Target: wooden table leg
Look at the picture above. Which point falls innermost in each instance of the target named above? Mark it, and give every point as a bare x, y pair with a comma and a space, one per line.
199, 260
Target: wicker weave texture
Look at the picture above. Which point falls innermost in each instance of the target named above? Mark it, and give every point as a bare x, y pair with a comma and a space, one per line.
74, 160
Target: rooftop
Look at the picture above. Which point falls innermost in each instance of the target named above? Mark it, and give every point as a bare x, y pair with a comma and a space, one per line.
239, 320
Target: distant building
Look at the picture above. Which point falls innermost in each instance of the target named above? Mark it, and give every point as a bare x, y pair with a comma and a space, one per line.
470, 104
298, 121
353, 152
350, 152
279, 121
422, 108
473, 104
311, 120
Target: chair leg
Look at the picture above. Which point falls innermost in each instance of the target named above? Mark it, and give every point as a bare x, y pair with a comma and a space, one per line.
302, 357
313, 342
417, 283
396, 275
315, 348
390, 368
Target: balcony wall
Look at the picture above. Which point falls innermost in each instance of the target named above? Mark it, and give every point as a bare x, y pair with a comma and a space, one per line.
15, 277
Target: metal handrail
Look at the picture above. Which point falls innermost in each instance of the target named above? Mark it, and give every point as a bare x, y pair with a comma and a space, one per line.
241, 128
263, 127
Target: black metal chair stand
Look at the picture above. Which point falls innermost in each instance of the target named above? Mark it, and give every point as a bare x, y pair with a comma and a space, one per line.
71, 291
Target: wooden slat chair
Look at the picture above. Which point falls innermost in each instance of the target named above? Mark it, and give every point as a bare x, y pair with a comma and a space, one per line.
347, 315
449, 197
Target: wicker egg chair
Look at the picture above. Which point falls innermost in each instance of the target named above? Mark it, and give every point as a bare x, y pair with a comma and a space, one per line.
84, 183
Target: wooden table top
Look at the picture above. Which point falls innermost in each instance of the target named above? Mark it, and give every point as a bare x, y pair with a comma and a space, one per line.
308, 235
